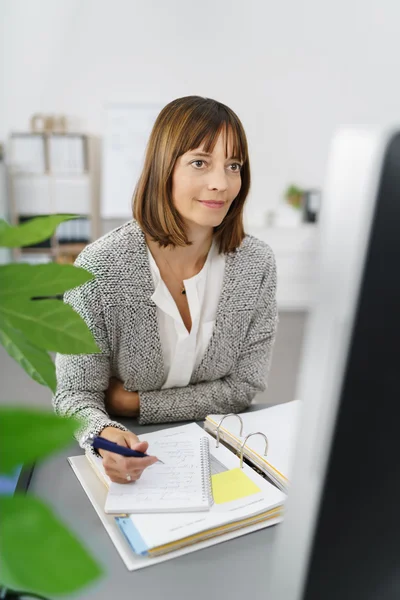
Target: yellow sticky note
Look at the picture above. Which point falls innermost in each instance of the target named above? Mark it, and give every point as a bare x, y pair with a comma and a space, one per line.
232, 485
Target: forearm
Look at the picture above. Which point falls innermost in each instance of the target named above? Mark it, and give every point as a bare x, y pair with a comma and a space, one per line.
89, 410
195, 402
81, 381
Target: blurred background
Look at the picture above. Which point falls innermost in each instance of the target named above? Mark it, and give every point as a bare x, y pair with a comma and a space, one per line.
81, 84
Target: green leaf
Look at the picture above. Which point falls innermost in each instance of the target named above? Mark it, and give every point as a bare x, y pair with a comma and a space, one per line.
39, 280
51, 325
31, 232
37, 553
35, 361
3, 226
31, 434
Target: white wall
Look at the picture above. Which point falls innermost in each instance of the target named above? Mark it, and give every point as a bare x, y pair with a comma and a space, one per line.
293, 71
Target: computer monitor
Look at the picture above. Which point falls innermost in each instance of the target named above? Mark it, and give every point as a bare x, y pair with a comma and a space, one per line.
340, 538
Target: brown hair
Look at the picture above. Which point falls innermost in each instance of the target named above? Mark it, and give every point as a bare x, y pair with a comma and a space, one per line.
183, 125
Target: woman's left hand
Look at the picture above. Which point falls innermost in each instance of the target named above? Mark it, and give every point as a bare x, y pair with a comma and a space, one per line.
119, 401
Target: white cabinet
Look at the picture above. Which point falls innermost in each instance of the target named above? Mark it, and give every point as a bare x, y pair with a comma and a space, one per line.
52, 174
47, 194
32, 194
72, 194
296, 252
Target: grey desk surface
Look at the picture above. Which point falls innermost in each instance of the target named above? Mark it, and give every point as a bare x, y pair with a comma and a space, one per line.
236, 569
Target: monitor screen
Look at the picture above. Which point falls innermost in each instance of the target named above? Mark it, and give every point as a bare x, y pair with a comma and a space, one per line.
341, 523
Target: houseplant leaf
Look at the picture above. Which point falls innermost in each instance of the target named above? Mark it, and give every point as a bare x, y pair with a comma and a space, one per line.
31, 232
3, 225
51, 325
31, 281
27, 435
37, 553
36, 362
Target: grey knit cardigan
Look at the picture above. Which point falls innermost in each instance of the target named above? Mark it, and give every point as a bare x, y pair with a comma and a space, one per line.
118, 309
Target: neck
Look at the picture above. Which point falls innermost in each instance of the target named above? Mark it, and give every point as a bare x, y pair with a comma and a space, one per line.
192, 256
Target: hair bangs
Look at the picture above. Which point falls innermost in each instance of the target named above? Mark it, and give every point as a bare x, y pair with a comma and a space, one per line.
203, 130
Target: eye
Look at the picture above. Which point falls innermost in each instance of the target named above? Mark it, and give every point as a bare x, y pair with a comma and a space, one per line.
198, 163
235, 167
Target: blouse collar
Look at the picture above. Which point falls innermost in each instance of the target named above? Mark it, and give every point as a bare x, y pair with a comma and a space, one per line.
194, 286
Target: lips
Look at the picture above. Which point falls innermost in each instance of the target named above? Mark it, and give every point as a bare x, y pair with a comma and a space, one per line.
212, 203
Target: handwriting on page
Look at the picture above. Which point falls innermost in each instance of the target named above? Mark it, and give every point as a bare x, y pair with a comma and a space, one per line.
178, 480
163, 484
181, 452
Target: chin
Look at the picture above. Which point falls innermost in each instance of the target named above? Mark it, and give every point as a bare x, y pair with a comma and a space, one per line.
204, 220
210, 222
211, 219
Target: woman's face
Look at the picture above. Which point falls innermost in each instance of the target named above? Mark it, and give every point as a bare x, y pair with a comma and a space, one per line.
205, 185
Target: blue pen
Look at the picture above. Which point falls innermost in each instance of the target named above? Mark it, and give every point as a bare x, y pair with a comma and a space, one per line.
104, 444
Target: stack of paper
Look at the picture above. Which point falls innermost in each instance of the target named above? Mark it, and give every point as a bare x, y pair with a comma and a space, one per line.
243, 501
241, 498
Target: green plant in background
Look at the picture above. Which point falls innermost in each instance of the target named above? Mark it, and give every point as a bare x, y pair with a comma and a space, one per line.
37, 552
294, 196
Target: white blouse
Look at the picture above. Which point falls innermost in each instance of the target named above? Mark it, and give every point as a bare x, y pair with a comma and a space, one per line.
183, 351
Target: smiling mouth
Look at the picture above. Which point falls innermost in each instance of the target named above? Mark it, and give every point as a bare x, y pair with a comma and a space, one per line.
212, 203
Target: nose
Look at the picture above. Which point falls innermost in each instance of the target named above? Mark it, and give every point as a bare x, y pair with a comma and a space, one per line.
218, 180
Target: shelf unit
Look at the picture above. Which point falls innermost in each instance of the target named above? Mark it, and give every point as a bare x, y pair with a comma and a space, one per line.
51, 173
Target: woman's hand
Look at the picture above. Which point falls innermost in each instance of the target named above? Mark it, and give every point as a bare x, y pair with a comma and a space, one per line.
118, 467
119, 401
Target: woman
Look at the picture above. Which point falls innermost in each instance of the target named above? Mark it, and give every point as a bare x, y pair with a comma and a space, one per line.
183, 302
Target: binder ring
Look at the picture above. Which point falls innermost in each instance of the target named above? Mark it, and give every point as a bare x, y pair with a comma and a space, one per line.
244, 443
219, 425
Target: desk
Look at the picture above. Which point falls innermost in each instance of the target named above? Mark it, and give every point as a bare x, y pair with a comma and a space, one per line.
237, 569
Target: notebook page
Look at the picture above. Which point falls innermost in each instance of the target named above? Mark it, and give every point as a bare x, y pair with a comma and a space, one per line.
176, 452
178, 484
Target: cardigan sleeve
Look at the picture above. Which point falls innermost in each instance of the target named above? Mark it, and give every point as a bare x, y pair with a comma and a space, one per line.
82, 379
234, 392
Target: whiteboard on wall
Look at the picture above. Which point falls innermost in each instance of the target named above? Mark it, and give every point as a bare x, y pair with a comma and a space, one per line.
127, 131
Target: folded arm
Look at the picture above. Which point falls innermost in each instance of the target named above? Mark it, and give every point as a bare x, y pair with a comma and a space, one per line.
234, 392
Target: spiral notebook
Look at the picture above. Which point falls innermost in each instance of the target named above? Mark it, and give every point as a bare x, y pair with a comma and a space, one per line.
181, 484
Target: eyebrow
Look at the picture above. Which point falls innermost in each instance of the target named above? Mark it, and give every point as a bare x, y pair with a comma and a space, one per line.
199, 153
207, 154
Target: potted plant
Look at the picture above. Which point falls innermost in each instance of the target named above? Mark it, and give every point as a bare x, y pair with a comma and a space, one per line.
294, 196
38, 554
